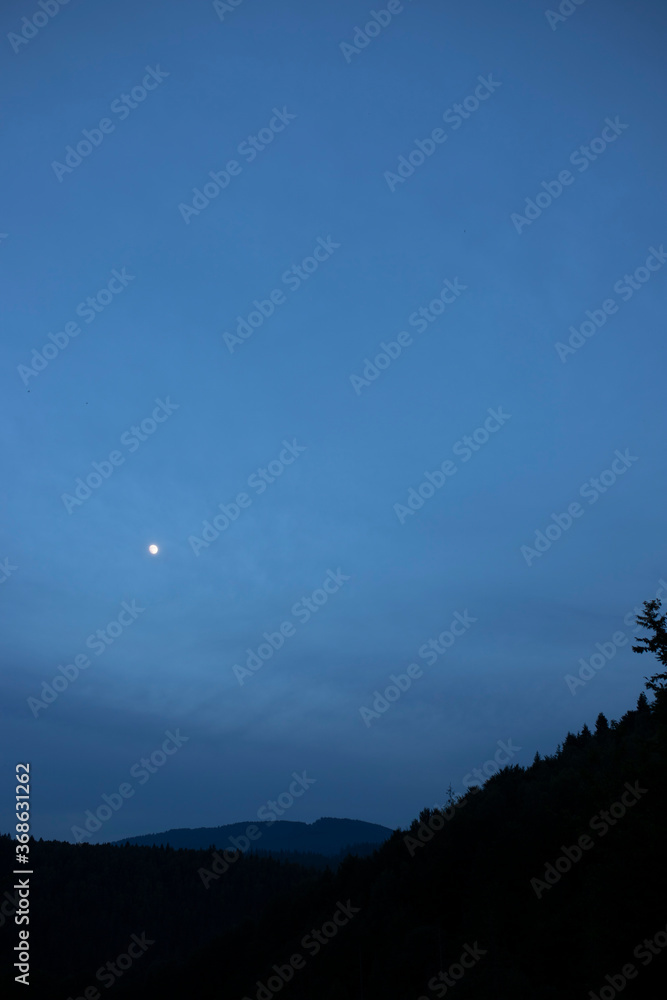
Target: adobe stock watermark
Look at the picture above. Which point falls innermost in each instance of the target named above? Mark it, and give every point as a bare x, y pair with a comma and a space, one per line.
379, 20
122, 107
466, 447
441, 814
6, 569
88, 310
98, 642
250, 148
582, 157
30, 26
259, 482
132, 439
565, 10
443, 981
645, 951
592, 490
606, 651
222, 7
501, 758
420, 319
428, 651
142, 771
436, 820
293, 278
600, 824
312, 943
108, 973
625, 287
303, 611
454, 116
267, 813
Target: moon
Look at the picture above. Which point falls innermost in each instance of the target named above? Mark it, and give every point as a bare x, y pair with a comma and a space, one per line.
153, 549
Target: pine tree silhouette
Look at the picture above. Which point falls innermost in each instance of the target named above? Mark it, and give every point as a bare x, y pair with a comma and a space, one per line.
657, 643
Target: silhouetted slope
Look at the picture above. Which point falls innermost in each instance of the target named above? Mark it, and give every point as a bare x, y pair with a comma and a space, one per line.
479, 888
470, 884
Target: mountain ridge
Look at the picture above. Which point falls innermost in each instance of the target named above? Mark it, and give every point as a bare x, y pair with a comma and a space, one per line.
327, 836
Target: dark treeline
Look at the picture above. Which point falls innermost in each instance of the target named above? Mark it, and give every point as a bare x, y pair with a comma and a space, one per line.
313, 860
87, 900
546, 883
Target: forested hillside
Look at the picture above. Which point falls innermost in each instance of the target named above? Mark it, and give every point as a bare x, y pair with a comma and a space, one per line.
541, 884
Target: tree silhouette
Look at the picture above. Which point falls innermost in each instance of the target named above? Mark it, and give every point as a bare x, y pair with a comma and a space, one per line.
657, 643
642, 703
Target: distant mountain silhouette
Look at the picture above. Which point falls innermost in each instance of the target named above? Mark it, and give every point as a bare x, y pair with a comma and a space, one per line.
327, 836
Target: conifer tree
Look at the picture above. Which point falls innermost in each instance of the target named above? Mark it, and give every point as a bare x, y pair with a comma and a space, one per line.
657, 643
642, 703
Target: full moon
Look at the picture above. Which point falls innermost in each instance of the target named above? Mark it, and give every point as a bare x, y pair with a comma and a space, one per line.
153, 549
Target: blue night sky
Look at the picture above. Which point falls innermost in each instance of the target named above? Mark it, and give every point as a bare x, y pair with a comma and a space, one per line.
356, 186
